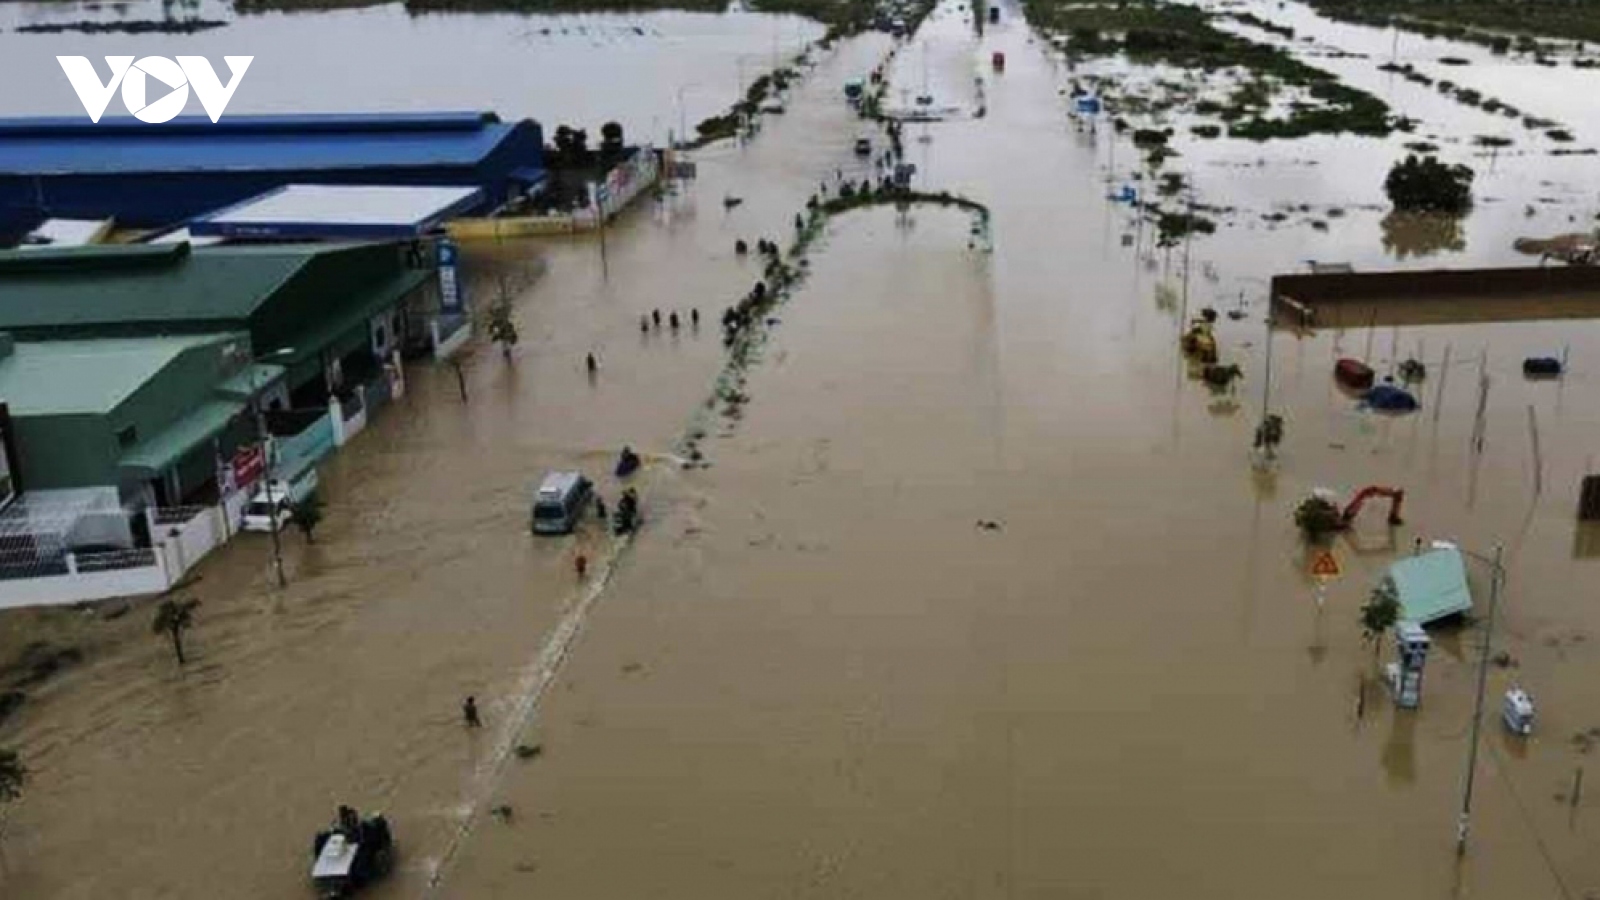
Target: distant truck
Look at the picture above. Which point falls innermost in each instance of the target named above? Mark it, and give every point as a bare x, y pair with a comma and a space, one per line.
998, 61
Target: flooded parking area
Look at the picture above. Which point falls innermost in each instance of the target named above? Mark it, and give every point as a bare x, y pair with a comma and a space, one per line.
981, 592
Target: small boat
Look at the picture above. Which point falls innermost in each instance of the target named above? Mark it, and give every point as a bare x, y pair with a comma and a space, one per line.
1353, 373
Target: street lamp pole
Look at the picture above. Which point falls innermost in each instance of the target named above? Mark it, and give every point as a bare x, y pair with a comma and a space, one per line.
272, 509
1463, 821
683, 118
266, 460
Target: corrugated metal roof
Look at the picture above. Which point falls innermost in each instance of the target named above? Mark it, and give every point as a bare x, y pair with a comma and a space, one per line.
176, 440
75, 145
1431, 585
143, 284
303, 211
81, 377
68, 233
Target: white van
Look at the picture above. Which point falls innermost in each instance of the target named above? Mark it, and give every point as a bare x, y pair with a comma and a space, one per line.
279, 495
559, 502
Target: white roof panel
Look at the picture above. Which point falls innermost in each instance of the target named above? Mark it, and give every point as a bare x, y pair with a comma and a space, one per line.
332, 204
69, 233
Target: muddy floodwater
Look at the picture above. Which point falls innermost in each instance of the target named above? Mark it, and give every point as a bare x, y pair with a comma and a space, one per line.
979, 594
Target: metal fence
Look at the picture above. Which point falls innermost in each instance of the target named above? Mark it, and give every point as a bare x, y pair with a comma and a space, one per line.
175, 515
112, 560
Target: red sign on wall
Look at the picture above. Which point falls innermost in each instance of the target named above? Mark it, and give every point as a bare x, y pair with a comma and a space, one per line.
248, 464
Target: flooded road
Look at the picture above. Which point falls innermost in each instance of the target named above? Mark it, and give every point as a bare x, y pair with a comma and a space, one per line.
979, 597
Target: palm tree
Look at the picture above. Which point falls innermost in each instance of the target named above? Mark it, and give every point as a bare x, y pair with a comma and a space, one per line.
306, 515
13, 775
173, 618
502, 330
1379, 614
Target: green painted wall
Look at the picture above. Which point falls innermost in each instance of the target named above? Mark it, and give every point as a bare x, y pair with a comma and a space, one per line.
177, 390
65, 451
82, 450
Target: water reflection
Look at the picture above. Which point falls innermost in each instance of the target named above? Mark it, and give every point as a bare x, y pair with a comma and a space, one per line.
1407, 235
1399, 756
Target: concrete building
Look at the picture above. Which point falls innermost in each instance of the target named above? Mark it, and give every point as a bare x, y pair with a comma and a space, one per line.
154, 176
148, 416
332, 315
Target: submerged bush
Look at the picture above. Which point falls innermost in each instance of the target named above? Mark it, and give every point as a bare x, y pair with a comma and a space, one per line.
1424, 184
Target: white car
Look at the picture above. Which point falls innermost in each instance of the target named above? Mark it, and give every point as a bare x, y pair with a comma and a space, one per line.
283, 495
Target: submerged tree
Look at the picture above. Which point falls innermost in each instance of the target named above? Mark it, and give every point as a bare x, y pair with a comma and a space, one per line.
611, 142
307, 515
1424, 184
571, 148
173, 618
1379, 614
1317, 518
13, 775
502, 330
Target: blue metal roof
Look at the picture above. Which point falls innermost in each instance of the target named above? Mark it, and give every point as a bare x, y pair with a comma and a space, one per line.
124, 145
156, 176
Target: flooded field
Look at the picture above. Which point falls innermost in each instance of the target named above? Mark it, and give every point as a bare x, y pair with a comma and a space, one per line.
980, 594
648, 71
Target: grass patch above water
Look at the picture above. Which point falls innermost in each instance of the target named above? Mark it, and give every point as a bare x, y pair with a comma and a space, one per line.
1152, 33
1475, 22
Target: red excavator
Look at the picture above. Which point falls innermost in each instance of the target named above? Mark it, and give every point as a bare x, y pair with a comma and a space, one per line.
1396, 498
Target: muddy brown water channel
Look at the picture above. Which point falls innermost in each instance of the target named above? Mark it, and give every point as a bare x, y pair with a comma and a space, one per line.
813, 674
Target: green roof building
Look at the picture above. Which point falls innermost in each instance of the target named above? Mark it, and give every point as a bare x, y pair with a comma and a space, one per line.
127, 412
335, 310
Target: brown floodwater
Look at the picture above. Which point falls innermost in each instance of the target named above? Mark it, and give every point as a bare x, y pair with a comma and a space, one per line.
814, 674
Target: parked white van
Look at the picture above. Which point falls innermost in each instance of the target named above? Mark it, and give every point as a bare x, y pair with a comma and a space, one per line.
279, 495
559, 502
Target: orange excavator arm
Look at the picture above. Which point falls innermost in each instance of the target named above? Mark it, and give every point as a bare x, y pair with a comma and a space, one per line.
1396, 497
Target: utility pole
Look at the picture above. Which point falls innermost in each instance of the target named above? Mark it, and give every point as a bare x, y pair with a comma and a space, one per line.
1266, 377
1188, 236
272, 506
266, 463
597, 197
1463, 822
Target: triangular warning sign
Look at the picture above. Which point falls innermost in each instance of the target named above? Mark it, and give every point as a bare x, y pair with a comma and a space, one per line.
1326, 565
